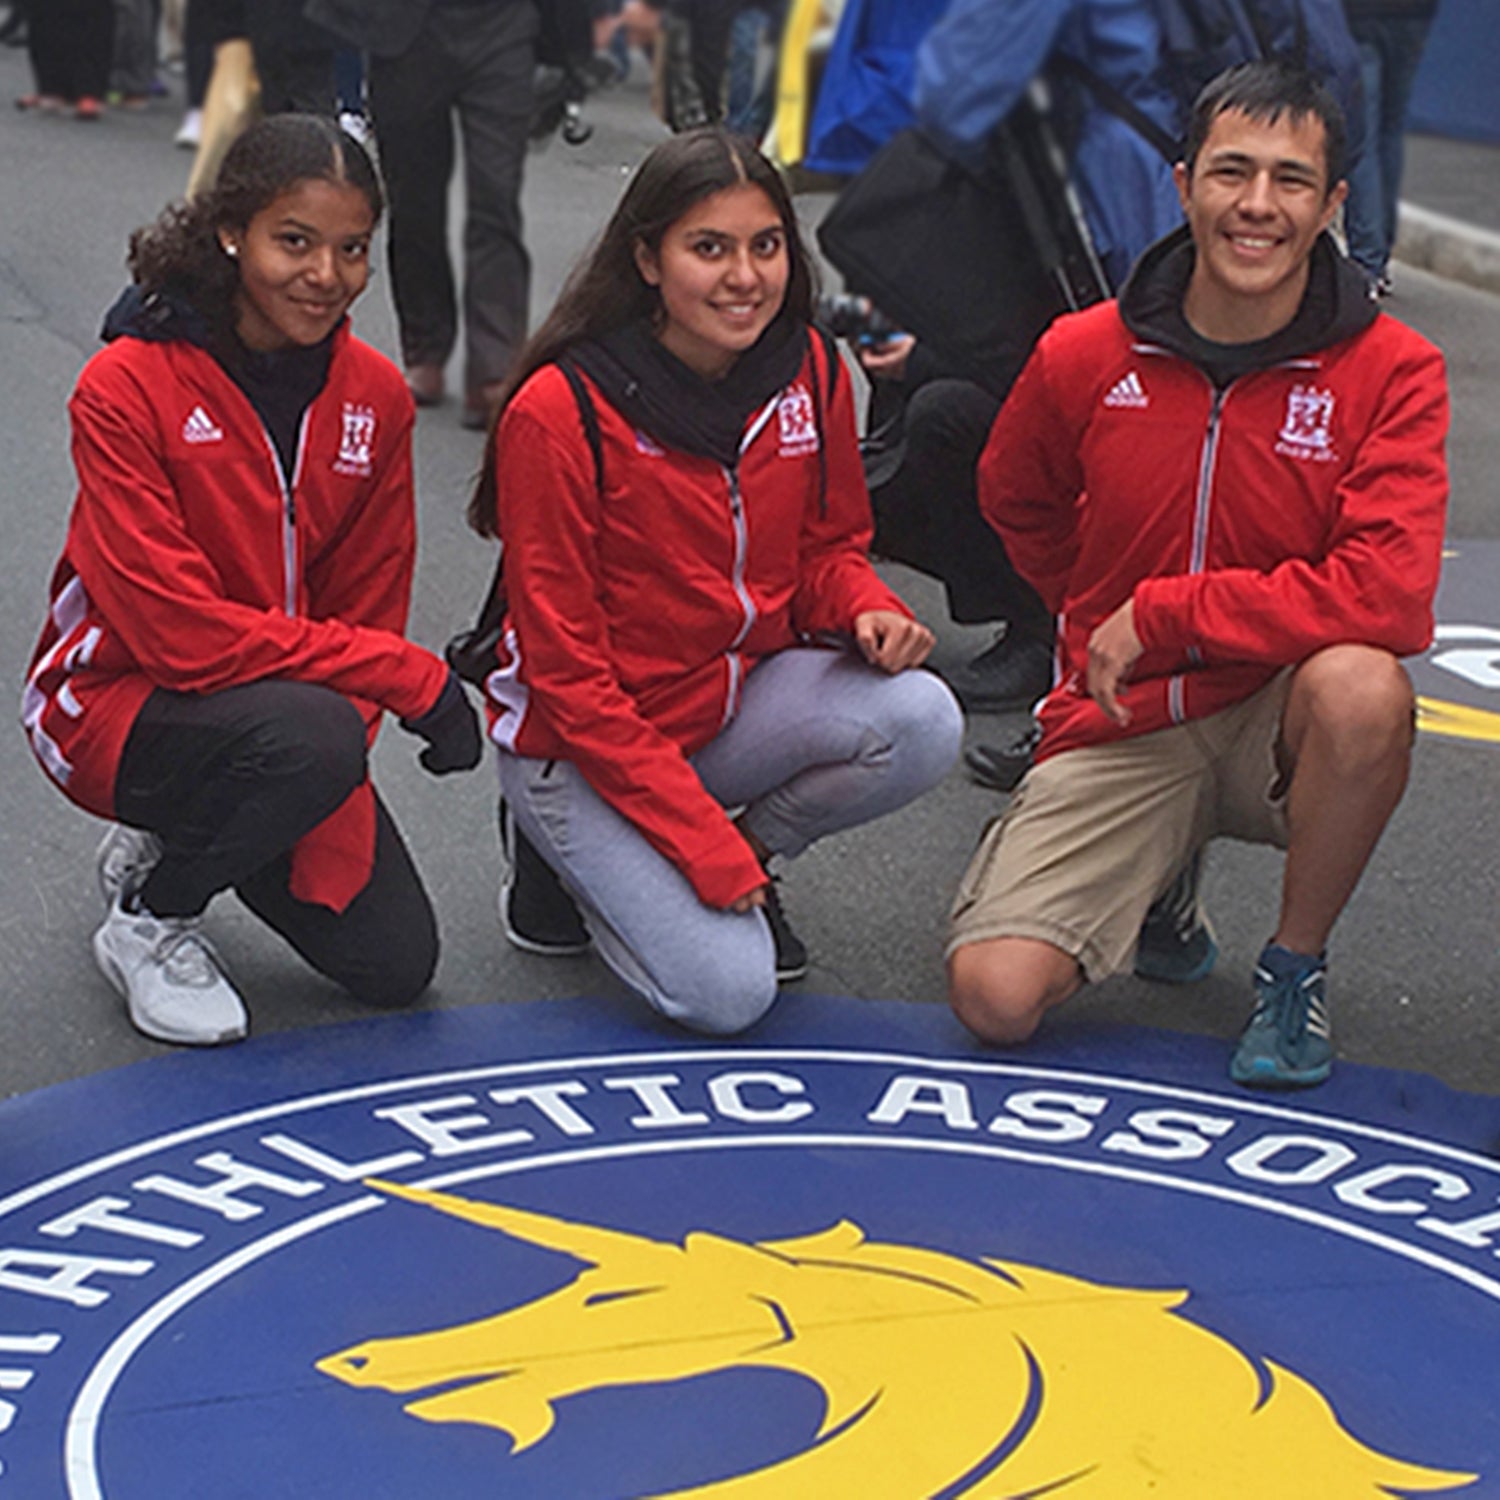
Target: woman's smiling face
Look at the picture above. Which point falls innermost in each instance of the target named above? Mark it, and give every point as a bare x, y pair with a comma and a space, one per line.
303, 259
722, 271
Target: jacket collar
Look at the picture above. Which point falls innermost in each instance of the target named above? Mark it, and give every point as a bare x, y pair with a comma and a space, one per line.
662, 397
1335, 306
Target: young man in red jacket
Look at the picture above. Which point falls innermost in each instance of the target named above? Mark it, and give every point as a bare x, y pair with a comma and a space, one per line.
1230, 487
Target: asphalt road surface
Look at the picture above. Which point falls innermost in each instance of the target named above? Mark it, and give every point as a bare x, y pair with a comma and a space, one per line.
1415, 963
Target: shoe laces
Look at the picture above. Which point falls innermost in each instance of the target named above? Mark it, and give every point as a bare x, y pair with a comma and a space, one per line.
186, 957
129, 861
1294, 1005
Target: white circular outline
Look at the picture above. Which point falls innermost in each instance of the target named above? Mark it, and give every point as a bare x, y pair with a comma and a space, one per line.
87, 1413
805, 1053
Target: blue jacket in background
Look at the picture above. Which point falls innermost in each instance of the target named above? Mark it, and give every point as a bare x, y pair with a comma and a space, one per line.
866, 92
977, 61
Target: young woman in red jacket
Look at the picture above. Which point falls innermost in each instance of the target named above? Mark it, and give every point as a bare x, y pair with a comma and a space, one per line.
226, 621
699, 669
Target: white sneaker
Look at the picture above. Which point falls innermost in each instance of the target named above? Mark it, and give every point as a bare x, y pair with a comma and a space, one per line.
170, 977
126, 857
190, 132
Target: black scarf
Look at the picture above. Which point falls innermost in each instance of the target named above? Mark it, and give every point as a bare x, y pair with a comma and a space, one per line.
655, 392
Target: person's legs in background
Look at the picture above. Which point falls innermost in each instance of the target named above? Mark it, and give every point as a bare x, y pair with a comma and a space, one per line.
132, 74
495, 98
201, 34
71, 42
92, 28
1390, 49
411, 99
753, 44
47, 48
927, 515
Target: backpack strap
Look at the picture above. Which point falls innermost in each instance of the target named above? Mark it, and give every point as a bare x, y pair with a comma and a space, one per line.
1264, 39
471, 653
586, 414
833, 361
1162, 141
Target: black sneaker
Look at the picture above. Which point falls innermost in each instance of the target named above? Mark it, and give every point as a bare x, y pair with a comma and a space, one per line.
538, 915
1176, 945
1012, 673
791, 951
1001, 767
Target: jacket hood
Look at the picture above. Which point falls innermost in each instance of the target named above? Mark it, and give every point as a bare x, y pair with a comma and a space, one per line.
1335, 306
154, 318
164, 317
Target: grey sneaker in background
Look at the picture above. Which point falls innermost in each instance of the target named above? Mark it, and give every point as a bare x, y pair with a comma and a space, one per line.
170, 977
1176, 943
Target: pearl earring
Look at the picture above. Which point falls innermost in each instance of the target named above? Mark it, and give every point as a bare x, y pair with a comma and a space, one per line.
232, 251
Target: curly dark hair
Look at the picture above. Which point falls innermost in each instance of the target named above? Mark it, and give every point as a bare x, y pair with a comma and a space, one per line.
606, 289
180, 253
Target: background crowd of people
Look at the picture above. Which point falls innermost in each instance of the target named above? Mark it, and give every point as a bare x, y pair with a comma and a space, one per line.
653, 776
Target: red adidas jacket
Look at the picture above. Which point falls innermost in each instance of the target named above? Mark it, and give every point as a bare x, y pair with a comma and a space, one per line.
189, 566
1301, 507
635, 614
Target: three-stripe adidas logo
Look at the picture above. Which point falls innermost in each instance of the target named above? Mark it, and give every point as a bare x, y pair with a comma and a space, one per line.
1128, 392
201, 428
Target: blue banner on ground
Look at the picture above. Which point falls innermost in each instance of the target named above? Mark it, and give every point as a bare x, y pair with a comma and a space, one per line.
554, 1250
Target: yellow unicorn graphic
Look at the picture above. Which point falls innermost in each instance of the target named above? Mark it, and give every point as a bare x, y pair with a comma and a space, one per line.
941, 1376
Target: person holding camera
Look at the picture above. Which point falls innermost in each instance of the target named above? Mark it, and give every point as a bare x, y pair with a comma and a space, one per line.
926, 429
700, 670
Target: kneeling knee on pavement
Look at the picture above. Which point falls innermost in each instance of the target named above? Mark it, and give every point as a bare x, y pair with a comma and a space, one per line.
1001, 989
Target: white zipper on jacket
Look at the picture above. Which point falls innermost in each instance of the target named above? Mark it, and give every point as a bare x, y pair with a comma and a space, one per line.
288, 509
1198, 546
1203, 495
737, 568
747, 604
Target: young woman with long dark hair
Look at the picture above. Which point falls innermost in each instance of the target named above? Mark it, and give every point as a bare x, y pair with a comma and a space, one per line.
699, 669
226, 621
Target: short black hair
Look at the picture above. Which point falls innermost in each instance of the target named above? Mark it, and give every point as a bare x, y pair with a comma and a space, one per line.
1265, 91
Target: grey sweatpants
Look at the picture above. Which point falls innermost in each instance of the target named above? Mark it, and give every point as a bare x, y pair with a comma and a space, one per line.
822, 742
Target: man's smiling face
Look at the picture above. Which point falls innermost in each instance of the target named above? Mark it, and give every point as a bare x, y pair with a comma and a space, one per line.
1256, 198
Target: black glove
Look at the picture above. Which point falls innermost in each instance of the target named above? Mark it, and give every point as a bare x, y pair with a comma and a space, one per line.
451, 729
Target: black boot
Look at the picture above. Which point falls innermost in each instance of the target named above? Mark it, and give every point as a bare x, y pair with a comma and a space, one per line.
1001, 767
1012, 673
791, 951
538, 915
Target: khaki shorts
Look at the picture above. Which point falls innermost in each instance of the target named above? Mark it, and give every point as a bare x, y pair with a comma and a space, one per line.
1092, 836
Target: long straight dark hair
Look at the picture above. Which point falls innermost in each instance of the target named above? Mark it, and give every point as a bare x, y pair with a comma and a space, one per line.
606, 290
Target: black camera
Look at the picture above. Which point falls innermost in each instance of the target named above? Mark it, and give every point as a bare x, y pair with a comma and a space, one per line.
855, 318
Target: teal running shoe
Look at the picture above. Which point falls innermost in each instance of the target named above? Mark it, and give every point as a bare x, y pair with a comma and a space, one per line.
1288, 1043
1176, 945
